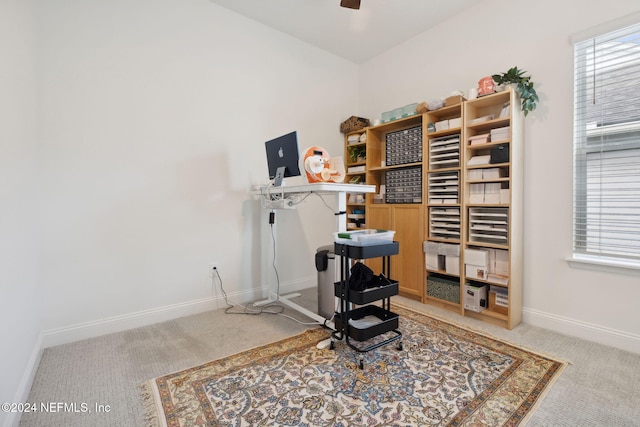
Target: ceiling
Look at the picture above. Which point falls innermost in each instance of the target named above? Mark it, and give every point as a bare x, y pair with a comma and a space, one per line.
356, 35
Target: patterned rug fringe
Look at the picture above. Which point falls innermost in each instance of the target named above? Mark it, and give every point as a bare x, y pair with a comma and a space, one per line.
151, 418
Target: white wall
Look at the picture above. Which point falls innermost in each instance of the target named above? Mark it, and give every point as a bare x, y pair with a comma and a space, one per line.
155, 114
148, 131
19, 208
491, 38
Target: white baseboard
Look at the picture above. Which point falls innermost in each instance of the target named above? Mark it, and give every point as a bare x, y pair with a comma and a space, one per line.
587, 331
125, 322
22, 393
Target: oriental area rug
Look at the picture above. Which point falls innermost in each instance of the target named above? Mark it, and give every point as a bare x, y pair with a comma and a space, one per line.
444, 375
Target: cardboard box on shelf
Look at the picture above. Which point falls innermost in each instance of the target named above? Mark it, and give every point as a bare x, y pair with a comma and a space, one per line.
492, 260
455, 123
505, 196
453, 100
431, 256
476, 193
493, 173
502, 300
502, 262
442, 125
434, 261
452, 265
492, 193
494, 306
442, 256
476, 257
473, 271
474, 174
499, 279
479, 139
475, 297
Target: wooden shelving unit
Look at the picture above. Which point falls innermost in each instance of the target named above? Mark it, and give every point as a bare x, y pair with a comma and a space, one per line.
494, 224
356, 206
448, 215
444, 220
404, 218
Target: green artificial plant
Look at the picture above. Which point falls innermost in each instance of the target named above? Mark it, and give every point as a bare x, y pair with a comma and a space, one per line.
524, 87
356, 152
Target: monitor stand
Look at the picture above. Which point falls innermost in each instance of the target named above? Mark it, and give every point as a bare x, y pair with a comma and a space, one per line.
277, 181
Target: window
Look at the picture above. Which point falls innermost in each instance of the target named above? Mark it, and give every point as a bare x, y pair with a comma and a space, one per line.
607, 146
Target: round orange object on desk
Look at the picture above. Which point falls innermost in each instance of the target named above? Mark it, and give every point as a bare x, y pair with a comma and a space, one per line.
316, 159
319, 167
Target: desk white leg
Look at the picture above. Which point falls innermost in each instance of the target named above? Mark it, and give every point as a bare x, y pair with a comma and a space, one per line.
271, 285
342, 207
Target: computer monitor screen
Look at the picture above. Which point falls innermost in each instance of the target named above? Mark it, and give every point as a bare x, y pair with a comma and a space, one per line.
283, 157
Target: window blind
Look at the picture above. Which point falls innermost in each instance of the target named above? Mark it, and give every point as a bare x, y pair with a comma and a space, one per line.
607, 145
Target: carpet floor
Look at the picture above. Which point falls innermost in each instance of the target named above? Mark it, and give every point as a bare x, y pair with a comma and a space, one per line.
599, 387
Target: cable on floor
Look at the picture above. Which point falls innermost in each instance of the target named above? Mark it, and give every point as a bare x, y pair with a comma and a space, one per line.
252, 309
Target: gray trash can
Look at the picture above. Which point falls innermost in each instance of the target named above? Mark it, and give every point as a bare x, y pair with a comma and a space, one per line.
327, 276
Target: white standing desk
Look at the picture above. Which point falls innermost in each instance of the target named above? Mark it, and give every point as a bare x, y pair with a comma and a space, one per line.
287, 197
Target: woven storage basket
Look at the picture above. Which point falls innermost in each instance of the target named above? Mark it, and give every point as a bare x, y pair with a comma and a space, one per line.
353, 123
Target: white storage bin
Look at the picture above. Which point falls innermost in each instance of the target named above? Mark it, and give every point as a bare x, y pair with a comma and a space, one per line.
452, 265
365, 237
476, 257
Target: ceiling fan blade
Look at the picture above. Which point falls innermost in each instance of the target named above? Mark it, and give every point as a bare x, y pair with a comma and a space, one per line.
351, 4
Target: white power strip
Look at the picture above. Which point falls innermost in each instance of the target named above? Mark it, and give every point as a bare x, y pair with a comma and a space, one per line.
279, 204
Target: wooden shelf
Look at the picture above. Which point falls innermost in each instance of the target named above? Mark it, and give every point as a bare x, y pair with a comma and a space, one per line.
455, 169
487, 313
445, 132
488, 124
447, 305
487, 245
439, 301
489, 282
443, 240
357, 144
396, 124
480, 181
486, 145
486, 205
362, 163
386, 168
443, 272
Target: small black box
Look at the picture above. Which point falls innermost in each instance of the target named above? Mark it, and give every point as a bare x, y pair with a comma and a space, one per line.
499, 154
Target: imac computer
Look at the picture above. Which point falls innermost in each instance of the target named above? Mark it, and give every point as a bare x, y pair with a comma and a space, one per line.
282, 157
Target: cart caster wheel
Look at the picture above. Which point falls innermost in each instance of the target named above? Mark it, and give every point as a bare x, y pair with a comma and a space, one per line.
332, 345
361, 364
361, 361
400, 347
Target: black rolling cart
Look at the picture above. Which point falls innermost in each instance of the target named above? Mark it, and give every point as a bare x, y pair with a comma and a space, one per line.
385, 319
